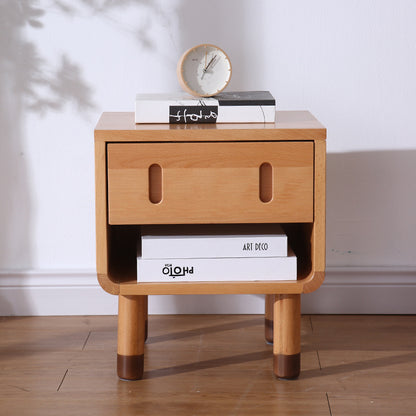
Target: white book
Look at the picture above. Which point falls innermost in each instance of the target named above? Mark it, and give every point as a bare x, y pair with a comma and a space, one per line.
221, 241
217, 269
226, 107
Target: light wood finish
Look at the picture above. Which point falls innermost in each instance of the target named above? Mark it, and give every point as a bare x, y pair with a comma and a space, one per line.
268, 318
101, 223
131, 336
318, 244
287, 306
205, 182
216, 288
130, 332
189, 174
146, 317
208, 365
116, 247
289, 125
286, 336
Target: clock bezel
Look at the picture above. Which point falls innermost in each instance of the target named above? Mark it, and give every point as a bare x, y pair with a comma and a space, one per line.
180, 70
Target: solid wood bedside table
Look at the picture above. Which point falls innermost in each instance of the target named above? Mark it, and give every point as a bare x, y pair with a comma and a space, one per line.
209, 174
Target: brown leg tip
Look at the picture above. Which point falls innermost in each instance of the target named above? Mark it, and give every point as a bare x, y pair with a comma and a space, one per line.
268, 330
130, 367
286, 366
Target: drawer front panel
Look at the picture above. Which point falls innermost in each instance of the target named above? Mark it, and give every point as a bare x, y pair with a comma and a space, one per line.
166, 183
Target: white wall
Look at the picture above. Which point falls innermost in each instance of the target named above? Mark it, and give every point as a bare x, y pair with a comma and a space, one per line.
62, 63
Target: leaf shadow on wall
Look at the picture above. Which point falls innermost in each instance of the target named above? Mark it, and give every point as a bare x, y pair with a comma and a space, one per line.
28, 83
32, 84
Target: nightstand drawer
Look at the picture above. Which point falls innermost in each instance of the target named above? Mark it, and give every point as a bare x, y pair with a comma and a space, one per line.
233, 182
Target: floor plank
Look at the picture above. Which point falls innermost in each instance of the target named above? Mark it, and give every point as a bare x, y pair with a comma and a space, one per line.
373, 405
207, 365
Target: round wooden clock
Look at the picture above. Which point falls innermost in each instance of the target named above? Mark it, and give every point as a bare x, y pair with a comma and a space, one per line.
204, 70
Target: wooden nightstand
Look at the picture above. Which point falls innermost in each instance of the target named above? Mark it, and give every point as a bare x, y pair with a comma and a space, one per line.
209, 174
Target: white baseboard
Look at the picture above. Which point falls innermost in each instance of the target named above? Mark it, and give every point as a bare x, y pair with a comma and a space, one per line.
364, 290
346, 290
53, 292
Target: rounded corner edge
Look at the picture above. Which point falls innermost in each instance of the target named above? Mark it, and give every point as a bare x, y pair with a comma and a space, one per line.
313, 281
109, 286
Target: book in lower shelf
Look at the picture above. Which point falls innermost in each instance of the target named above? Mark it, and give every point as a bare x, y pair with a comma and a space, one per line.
217, 269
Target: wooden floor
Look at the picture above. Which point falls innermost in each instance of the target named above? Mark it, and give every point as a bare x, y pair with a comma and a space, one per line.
208, 365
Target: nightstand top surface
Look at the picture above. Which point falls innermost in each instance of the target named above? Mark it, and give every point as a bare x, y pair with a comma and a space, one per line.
289, 125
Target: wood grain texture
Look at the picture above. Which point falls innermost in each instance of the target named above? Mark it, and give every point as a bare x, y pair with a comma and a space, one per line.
131, 336
116, 243
212, 288
131, 325
268, 317
289, 125
208, 364
318, 236
286, 336
286, 325
101, 223
205, 182
318, 254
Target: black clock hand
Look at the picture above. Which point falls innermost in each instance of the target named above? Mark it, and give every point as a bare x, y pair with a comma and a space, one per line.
209, 64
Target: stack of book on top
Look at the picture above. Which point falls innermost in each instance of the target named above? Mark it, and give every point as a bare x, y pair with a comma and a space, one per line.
226, 107
214, 253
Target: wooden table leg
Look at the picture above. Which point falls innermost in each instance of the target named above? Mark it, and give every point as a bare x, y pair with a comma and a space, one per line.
146, 318
286, 345
131, 334
268, 318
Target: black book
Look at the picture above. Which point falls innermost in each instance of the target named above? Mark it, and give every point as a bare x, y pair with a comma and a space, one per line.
245, 98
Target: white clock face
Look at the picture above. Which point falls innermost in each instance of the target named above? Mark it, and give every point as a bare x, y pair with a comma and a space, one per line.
204, 70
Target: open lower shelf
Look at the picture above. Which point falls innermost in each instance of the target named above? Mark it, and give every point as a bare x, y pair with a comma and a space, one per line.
122, 251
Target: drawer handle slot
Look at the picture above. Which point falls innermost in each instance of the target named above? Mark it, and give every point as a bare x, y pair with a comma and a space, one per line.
266, 182
155, 183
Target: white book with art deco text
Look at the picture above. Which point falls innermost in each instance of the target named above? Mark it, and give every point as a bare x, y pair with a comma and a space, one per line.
214, 241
